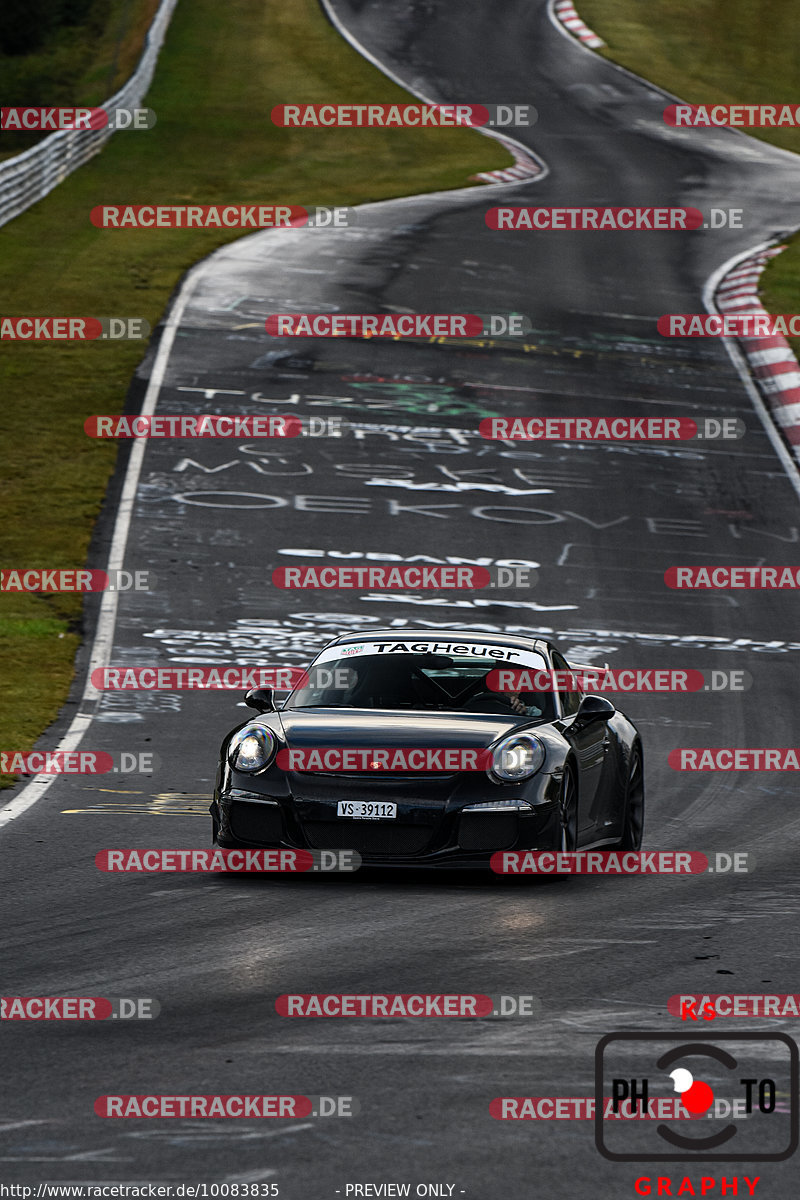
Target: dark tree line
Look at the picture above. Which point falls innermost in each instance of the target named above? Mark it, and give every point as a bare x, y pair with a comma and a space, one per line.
25, 25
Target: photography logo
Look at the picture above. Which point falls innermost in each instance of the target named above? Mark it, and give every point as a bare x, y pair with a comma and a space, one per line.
739, 1092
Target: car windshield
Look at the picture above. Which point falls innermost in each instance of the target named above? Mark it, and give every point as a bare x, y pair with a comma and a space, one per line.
451, 682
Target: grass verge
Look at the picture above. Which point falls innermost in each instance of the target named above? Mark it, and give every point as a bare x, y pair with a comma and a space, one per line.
221, 71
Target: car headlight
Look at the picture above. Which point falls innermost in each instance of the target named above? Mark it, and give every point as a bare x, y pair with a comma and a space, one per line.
517, 758
251, 748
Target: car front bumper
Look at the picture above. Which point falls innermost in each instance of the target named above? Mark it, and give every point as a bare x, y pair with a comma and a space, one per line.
423, 834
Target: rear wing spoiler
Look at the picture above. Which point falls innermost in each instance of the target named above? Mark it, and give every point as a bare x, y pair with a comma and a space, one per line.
589, 671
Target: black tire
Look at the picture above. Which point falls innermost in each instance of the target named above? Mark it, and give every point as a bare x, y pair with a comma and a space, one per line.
568, 811
633, 827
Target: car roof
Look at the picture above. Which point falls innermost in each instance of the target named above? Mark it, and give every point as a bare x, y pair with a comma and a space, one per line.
460, 636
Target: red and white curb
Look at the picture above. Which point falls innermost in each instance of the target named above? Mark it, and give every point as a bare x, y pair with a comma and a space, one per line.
565, 11
524, 167
771, 360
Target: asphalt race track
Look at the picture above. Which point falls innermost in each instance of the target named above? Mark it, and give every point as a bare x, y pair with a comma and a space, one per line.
410, 476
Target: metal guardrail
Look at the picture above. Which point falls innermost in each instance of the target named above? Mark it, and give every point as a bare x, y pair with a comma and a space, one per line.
30, 176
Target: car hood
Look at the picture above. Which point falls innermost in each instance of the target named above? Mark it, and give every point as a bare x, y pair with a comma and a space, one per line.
389, 728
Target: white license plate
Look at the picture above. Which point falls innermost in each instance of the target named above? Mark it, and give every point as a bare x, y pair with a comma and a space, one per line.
370, 809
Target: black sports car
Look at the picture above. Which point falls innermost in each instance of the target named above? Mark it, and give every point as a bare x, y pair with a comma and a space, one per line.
403, 747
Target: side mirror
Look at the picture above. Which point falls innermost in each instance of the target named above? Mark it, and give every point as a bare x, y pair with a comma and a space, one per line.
261, 699
594, 708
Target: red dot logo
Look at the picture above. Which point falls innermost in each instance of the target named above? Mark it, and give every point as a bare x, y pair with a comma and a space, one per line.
696, 1096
